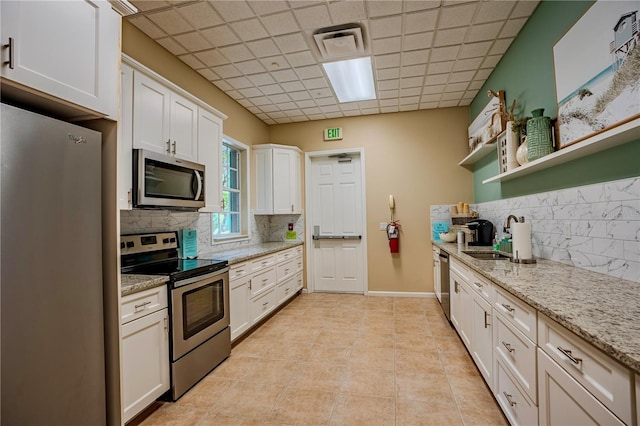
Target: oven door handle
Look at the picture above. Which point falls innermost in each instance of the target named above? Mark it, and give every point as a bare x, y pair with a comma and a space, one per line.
182, 283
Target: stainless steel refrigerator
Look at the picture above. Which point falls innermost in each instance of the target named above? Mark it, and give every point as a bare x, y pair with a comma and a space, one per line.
52, 328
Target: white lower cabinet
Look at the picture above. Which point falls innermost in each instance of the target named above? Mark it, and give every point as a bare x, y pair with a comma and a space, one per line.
262, 305
145, 349
240, 315
563, 401
436, 273
482, 338
516, 406
461, 306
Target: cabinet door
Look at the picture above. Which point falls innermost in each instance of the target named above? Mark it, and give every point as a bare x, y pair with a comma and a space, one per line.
563, 401
264, 184
296, 183
70, 52
183, 128
151, 115
239, 305
145, 361
482, 338
125, 144
209, 154
461, 316
436, 276
283, 181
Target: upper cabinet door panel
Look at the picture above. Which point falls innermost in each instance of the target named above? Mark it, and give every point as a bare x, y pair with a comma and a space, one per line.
151, 115
184, 128
69, 51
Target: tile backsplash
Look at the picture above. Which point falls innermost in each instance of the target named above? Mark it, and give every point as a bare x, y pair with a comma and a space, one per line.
262, 228
596, 227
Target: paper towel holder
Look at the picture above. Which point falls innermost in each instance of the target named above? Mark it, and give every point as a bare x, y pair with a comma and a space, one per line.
515, 259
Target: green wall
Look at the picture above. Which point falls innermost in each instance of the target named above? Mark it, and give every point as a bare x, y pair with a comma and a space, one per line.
526, 74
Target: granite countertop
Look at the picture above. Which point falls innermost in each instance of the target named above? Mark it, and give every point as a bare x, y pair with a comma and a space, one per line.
601, 309
132, 283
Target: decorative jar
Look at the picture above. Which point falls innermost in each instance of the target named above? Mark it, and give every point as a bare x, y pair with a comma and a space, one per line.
539, 138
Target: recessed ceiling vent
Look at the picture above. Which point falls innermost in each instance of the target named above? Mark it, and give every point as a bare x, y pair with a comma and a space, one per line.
340, 42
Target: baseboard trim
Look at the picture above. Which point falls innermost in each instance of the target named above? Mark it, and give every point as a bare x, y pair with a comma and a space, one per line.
401, 294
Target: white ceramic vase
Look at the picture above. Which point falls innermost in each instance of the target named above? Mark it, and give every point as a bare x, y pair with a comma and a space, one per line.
511, 146
521, 153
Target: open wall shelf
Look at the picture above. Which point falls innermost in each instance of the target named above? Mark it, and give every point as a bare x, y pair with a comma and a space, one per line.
479, 153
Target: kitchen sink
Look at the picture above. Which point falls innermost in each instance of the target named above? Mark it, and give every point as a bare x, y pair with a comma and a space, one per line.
486, 255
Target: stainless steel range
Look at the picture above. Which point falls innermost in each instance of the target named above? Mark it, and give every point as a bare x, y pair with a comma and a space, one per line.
198, 304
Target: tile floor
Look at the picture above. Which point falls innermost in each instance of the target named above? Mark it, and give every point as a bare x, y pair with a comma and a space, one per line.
335, 359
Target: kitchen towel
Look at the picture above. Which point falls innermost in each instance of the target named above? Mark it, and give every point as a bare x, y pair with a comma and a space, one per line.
521, 234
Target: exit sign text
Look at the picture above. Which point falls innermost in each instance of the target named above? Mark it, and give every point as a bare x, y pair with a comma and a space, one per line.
333, 133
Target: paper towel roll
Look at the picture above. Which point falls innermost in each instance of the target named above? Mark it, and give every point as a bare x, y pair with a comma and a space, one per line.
521, 234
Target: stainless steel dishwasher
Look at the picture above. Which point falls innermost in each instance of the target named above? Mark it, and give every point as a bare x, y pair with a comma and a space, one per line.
444, 284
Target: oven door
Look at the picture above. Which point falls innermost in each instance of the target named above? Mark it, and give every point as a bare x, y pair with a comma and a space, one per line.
200, 310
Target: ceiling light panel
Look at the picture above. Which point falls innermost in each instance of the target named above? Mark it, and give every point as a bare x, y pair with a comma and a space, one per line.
352, 80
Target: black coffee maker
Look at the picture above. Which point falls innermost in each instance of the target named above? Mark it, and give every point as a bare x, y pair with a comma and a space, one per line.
483, 232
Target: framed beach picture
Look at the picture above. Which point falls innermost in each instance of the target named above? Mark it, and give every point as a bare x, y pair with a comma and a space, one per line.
597, 71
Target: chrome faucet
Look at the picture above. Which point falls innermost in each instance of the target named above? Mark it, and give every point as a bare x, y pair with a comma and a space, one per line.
507, 223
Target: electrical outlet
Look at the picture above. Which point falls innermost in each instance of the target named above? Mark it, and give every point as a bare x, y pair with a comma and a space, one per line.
383, 226
566, 230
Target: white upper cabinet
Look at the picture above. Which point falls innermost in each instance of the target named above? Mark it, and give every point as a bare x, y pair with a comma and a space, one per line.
163, 121
209, 154
278, 179
125, 143
68, 53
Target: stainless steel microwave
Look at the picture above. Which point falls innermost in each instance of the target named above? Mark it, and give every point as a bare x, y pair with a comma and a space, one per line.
164, 182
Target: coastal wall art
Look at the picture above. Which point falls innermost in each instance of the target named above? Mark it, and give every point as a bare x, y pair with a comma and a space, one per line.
597, 71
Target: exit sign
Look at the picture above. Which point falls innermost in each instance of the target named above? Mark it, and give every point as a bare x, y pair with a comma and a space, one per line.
333, 134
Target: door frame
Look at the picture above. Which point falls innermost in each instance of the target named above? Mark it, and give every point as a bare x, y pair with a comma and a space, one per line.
307, 205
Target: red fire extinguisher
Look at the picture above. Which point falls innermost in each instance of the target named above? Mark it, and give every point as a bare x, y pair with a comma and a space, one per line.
393, 234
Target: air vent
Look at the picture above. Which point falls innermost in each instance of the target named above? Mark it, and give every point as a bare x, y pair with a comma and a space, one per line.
340, 42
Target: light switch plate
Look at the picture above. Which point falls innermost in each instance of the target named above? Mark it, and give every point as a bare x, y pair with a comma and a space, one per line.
383, 226
566, 230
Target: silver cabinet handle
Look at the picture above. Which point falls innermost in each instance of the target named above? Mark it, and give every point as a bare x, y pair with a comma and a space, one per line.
291, 208
455, 287
508, 307
479, 285
142, 305
265, 304
10, 46
166, 324
174, 147
486, 315
509, 399
567, 353
264, 280
169, 146
508, 346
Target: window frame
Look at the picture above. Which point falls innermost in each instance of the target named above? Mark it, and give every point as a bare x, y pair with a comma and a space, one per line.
244, 174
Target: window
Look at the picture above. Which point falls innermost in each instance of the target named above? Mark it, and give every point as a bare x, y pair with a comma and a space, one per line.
232, 222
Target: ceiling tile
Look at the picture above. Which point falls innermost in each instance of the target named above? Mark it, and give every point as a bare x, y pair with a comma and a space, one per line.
387, 94
315, 83
211, 58
261, 79
413, 70
311, 71
386, 61
227, 71
330, 108
385, 27
300, 59
223, 85
490, 61
370, 111
384, 8
451, 36
440, 67
500, 46
279, 61
448, 53
193, 41
457, 87
347, 11
431, 90
234, 94
414, 91
250, 67
321, 93
448, 104
277, 114
145, 25
262, 48
297, 119
419, 22
325, 101
484, 32
474, 50
491, 11
250, 92
429, 105
387, 45
232, 10
472, 93
512, 27
449, 96
412, 6
283, 76
352, 113
430, 98
436, 79
248, 30
417, 41
458, 77
368, 104
524, 8
279, 98
254, 109
262, 7
316, 116
457, 16
170, 21
291, 43
389, 109
389, 73
172, 46
314, 17
144, 5
260, 101
411, 82
415, 57
300, 96
388, 84
236, 53
306, 104
483, 74
220, 36
201, 15
351, 106
334, 114
271, 89
475, 85
289, 106
388, 102
467, 64
192, 61
280, 23
209, 75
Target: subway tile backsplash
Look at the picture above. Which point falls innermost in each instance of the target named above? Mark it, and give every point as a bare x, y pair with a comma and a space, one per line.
596, 227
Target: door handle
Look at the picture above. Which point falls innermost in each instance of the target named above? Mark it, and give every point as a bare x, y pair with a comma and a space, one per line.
337, 237
174, 147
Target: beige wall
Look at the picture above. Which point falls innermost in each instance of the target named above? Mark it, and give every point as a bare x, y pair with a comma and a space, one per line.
412, 155
241, 124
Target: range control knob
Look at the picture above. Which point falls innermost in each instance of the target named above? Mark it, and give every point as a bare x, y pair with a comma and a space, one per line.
130, 244
122, 244
165, 241
173, 239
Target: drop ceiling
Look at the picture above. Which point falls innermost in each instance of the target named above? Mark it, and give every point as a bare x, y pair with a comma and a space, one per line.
426, 54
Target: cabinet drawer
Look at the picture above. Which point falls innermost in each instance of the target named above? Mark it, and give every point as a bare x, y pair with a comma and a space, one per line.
299, 281
137, 305
261, 306
563, 401
262, 281
517, 353
285, 255
286, 289
518, 409
262, 263
605, 378
483, 287
457, 267
238, 270
297, 263
286, 270
518, 313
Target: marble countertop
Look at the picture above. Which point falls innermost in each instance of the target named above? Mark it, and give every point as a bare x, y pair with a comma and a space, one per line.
603, 310
133, 283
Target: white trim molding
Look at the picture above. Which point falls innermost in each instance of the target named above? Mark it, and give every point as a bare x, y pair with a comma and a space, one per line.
402, 294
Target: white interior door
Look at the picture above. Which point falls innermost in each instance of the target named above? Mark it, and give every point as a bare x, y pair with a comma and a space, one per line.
337, 211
